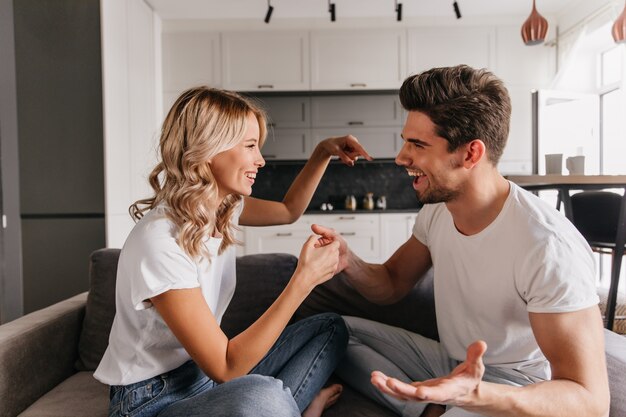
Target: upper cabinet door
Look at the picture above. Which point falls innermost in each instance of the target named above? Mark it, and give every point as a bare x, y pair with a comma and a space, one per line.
357, 59
190, 59
356, 110
287, 111
431, 47
265, 61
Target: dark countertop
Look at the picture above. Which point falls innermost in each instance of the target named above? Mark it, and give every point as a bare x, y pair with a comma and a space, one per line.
361, 211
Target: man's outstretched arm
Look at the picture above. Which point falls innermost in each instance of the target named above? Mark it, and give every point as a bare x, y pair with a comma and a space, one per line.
381, 283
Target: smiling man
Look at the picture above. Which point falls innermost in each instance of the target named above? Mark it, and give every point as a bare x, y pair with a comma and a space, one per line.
513, 279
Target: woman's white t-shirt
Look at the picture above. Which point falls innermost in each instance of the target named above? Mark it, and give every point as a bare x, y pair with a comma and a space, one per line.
529, 259
141, 345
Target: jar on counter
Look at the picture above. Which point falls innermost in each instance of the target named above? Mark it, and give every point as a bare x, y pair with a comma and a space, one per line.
368, 201
381, 202
350, 202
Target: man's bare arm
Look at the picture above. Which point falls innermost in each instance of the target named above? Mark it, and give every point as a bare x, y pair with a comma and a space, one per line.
382, 283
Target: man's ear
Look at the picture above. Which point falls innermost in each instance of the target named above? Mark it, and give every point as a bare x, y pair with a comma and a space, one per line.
474, 152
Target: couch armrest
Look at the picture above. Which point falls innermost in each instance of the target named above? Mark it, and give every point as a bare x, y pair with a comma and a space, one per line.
615, 348
37, 352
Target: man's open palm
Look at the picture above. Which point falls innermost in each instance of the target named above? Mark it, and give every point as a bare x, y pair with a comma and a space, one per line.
453, 389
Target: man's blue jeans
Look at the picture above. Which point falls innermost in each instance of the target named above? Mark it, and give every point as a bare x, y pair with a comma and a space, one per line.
282, 384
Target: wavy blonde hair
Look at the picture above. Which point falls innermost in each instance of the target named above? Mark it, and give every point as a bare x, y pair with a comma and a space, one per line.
202, 123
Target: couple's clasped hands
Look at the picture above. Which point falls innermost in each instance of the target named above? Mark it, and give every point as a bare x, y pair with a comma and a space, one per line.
323, 255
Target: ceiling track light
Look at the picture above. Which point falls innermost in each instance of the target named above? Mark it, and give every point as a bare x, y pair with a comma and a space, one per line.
457, 10
398, 11
619, 27
268, 15
535, 28
331, 10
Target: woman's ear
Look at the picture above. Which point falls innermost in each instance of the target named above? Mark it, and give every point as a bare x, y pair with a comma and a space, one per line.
475, 151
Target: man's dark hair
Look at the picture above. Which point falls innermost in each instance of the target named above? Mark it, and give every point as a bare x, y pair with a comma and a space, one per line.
464, 103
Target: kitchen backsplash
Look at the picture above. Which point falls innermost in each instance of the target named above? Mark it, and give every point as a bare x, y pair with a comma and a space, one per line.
380, 178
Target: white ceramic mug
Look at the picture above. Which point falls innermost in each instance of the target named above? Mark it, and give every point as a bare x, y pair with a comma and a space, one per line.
554, 163
575, 165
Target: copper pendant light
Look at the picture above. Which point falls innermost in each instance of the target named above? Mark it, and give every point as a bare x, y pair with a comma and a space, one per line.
619, 27
534, 28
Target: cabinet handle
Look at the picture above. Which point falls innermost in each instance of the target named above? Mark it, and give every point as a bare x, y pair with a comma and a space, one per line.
358, 85
284, 234
265, 86
269, 156
356, 123
271, 125
348, 233
347, 218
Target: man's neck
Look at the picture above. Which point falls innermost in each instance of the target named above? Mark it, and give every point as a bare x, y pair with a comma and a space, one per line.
480, 202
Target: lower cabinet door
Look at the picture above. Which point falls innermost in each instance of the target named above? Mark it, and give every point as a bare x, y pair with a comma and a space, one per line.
395, 230
276, 239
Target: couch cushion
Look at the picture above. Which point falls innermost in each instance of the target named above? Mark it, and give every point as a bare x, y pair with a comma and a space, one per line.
415, 312
100, 309
615, 347
78, 396
260, 279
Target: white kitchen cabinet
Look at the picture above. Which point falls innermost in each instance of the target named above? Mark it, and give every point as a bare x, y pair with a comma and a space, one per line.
361, 231
288, 127
287, 112
287, 238
430, 47
190, 59
395, 230
265, 61
358, 59
284, 144
356, 110
379, 142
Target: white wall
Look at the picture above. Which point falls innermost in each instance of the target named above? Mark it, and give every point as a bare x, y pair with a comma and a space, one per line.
131, 76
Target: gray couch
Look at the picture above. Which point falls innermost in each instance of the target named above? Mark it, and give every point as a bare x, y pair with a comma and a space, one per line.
47, 358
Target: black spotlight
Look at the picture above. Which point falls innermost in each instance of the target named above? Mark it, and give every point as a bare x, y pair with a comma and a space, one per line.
398, 11
457, 11
268, 15
331, 10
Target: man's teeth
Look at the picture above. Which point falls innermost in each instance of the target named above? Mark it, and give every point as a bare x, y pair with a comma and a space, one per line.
251, 176
415, 173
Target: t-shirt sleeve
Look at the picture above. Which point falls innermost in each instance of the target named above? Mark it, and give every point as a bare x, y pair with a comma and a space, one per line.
159, 270
422, 224
558, 276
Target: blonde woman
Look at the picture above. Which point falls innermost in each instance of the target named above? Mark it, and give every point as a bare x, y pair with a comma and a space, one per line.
167, 355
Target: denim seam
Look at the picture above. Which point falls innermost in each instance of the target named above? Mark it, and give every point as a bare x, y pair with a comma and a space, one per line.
142, 406
315, 362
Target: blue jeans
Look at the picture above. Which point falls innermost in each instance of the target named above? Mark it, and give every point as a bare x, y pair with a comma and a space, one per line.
283, 384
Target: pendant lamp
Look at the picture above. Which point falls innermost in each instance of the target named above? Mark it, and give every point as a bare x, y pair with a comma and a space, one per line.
534, 28
619, 27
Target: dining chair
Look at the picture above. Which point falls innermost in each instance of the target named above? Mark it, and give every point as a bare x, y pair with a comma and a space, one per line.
600, 216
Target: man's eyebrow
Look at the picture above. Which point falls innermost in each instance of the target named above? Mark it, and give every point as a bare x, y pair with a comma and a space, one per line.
415, 141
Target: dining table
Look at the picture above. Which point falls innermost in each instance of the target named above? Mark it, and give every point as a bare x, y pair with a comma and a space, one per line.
565, 184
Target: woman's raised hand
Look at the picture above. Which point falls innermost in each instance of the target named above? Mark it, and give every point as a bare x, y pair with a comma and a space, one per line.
317, 264
347, 148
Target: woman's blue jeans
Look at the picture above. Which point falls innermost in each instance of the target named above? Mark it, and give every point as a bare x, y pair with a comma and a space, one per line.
283, 384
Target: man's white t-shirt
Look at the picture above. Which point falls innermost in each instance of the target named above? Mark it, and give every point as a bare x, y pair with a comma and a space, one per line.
530, 259
141, 345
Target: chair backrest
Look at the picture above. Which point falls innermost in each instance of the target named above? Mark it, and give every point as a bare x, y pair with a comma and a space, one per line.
596, 215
